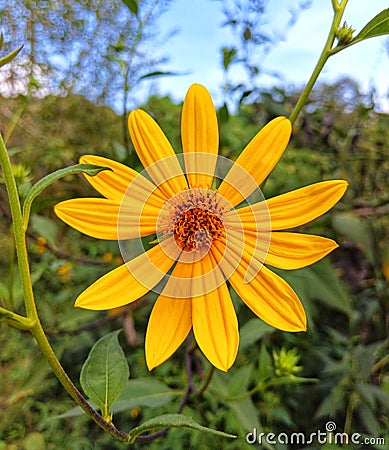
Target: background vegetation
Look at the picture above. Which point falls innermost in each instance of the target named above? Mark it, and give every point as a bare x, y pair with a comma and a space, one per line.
337, 371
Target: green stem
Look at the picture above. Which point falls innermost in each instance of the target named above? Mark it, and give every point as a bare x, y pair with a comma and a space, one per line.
18, 231
325, 54
335, 5
34, 324
207, 381
349, 413
11, 273
380, 364
262, 386
16, 320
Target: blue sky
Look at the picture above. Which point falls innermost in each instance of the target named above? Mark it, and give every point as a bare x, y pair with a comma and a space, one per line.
195, 48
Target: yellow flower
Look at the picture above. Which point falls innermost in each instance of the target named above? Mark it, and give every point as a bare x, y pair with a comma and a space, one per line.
107, 257
41, 244
209, 224
64, 272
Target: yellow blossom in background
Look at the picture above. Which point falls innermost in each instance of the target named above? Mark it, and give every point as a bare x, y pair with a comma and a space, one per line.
41, 244
134, 413
64, 272
210, 229
107, 257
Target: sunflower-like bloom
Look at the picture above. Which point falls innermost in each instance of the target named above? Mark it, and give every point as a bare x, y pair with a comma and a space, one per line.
191, 222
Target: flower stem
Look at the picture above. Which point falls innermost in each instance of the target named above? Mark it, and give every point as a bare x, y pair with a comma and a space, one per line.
32, 322
16, 320
325, 54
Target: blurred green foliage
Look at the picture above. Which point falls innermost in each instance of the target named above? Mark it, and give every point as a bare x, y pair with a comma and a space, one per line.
281, 382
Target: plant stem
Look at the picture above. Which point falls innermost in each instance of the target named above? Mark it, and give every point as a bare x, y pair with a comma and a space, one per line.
325, 54
380, 364
16, 320
207, 381
32, 321
349, 413
335, 5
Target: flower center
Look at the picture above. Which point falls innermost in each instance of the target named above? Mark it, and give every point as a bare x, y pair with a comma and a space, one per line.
195, 219
197, 227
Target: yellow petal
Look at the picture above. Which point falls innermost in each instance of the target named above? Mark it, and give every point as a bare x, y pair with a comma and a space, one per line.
298, 207
98, 217
257, 159
171, 318
296, 250
169, 324
127, 283
113, 183
267, 295
215, 327
156, 153
200, 136
289, 210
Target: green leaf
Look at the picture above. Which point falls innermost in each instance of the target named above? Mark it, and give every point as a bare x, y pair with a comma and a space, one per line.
159, 73
356, 230
265, 370
252, 331
223, 113
239, 382
225, 387
369, 419
132, 5
173, 421
321, 282
145, 391
37, 188
378, 26
105, 373
228, 56
8, 58
364, 360
45, 227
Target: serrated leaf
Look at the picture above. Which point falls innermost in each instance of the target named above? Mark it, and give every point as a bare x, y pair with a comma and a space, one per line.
173, 421
11, 56
105, 373
38, 187
378, 26
132, 5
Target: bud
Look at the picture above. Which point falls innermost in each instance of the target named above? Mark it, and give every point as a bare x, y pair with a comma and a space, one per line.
344, 34
285, 362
